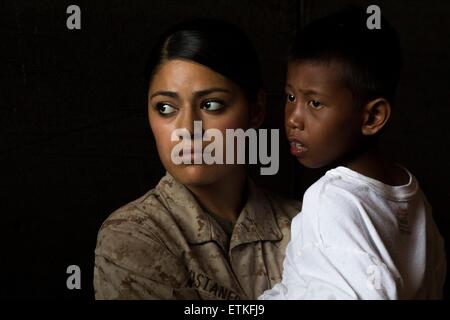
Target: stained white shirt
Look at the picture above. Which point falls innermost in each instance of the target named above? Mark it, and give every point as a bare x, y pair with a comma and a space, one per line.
357, 238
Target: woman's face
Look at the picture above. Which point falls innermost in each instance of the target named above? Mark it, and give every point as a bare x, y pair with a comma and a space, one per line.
182, 92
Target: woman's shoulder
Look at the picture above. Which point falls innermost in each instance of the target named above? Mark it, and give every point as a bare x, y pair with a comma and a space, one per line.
145, 221
137, 245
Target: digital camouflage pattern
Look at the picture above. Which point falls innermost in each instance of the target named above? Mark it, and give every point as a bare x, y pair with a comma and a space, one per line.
164, 246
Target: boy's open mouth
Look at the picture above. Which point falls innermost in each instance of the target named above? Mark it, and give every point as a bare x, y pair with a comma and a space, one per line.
297, 148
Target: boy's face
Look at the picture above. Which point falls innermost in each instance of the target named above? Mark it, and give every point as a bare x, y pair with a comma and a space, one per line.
322, 123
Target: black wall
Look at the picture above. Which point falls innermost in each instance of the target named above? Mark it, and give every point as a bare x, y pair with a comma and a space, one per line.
74, 139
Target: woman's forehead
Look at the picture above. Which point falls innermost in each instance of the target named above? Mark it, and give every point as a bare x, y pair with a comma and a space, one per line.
185, 75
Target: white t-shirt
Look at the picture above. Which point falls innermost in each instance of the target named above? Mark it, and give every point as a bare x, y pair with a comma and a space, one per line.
357, 238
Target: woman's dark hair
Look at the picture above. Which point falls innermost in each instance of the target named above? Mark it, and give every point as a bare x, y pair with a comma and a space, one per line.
370, 59
215, 44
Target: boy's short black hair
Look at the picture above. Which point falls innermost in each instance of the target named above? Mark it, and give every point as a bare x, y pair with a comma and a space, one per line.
370, 59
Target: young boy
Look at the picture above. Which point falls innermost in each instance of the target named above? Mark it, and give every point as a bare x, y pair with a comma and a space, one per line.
365, 230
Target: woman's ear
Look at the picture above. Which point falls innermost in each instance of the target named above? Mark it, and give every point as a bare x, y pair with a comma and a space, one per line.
258, 110
376, 114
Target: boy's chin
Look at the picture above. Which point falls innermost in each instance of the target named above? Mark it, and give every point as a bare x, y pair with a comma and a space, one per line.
310, 163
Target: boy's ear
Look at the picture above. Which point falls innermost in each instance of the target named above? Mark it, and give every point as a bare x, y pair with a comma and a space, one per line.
258, 110
376, 114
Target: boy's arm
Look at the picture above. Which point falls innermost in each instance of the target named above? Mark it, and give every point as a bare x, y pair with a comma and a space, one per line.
333, 273
326, 260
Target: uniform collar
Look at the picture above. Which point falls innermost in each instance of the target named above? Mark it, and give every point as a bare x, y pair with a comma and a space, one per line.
256, 221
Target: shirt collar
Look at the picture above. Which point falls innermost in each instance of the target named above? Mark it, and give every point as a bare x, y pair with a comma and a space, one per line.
256, 221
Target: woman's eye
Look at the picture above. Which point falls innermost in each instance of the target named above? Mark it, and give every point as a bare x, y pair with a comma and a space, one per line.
212, 105
315, 104
165, 109
290, 97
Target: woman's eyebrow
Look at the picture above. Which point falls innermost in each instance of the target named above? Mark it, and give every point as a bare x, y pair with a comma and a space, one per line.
171, 94
196, 94
202, 93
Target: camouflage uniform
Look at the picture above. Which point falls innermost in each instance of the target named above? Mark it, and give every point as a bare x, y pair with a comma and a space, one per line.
164, 246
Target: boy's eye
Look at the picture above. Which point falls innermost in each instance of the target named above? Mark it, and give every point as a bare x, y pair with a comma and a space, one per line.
165, 109
290, 97
212, 105
315, 104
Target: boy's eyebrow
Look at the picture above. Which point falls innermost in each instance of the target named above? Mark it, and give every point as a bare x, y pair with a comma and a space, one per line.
306, 92
309, 92
196, 94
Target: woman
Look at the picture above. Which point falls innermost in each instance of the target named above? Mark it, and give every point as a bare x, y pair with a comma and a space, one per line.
205, 231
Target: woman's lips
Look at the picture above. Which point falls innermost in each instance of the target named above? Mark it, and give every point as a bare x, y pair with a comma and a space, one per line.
193, 156
297, 148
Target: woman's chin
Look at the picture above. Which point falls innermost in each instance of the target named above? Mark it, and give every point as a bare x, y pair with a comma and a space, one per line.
196, 175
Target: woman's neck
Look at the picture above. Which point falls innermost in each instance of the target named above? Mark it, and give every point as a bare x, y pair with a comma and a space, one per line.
226, 197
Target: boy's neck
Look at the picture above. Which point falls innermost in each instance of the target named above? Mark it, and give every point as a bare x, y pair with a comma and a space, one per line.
371, 163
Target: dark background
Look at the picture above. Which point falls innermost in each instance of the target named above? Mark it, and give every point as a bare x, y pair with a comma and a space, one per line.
74, 139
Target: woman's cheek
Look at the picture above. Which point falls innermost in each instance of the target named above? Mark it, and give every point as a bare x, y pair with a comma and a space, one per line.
237, 119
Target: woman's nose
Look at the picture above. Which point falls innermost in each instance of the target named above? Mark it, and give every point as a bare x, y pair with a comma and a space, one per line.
188, 119
294, 117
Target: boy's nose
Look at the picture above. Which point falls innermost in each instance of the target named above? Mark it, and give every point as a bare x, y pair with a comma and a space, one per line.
294, 117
